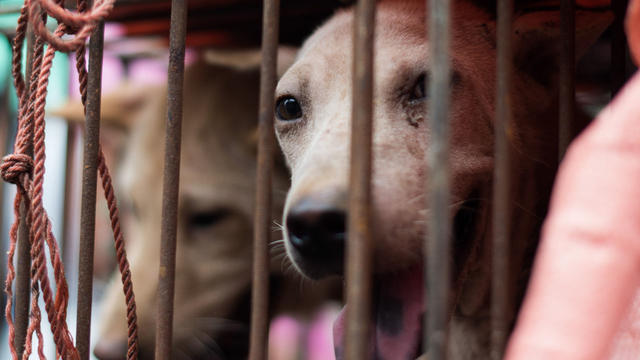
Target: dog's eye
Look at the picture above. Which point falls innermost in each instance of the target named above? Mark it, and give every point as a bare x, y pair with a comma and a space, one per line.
418, 92
207, 218
288, 108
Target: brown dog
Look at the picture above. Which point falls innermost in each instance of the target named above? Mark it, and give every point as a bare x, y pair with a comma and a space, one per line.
313, 109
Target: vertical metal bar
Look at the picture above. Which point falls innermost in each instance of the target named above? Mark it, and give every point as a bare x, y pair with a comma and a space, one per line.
438, 238
618, 47
23, 271
89, 180
262, 220
359, 254
171, 180
67, 222
567, 74
501, 225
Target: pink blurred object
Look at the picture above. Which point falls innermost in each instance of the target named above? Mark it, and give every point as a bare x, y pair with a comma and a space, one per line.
580, 303
149, 68
291, 338
284, 338
320, 337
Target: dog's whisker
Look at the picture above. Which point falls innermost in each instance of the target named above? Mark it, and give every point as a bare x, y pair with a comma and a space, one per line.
290, 269
284, 263
278, 248
277, 226
276, 242
278, 257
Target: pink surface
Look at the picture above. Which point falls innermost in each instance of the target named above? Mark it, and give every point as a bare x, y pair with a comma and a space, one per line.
320, 336
284, 338
292, 338
580, 304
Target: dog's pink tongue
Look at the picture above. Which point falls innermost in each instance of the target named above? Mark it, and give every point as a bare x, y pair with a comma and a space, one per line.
397, 319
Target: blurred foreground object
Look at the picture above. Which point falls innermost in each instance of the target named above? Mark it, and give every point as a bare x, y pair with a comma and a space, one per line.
580, 301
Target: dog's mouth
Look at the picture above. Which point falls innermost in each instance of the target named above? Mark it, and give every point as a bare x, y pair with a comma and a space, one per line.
398, 298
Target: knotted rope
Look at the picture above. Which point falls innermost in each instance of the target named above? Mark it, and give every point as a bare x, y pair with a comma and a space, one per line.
28, 173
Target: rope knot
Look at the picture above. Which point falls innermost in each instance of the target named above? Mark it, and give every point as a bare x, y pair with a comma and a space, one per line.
13, 166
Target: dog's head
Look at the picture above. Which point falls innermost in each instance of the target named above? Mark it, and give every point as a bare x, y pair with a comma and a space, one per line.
313, 111
215, 224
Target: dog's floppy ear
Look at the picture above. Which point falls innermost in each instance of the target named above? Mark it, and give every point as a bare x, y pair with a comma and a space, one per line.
118, 109
537, 39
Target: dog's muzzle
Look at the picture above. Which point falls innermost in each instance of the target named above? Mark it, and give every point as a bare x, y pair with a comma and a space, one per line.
316, 230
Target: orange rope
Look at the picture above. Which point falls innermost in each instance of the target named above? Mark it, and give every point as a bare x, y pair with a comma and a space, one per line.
28, 174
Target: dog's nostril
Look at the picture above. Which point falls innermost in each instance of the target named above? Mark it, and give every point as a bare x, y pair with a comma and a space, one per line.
314, 231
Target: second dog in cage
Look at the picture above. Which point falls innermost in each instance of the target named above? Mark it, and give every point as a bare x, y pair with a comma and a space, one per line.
216, 206
313, 110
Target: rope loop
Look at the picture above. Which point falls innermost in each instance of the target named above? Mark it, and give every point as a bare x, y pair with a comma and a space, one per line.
14, 166
81, 24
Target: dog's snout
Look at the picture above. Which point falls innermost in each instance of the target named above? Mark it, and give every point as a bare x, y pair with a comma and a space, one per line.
316, 230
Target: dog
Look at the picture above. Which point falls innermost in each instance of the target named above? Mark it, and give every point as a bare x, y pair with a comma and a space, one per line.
313, 111
216, 202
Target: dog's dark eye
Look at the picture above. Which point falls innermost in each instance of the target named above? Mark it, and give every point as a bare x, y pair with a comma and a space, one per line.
207, 218
418, 92
288, 108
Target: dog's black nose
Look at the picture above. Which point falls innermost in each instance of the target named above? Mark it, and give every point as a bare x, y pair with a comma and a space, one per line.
317, 233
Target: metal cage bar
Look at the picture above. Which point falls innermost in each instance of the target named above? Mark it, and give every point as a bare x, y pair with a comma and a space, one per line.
171, 180
89, 183
500, 306
23, 270
359, 254
438, 243
567, 85
266, 145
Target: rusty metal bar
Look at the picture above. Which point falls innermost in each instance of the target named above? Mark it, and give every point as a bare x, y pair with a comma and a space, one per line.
262, 220
500, 306
618, 47
567, 85
71, 171
438, 242
359, 254
23, 270
171, 180
89, 181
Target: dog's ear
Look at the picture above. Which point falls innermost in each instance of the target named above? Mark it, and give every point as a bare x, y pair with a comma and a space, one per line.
248, 59
537, 38
120, 109
119, 106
